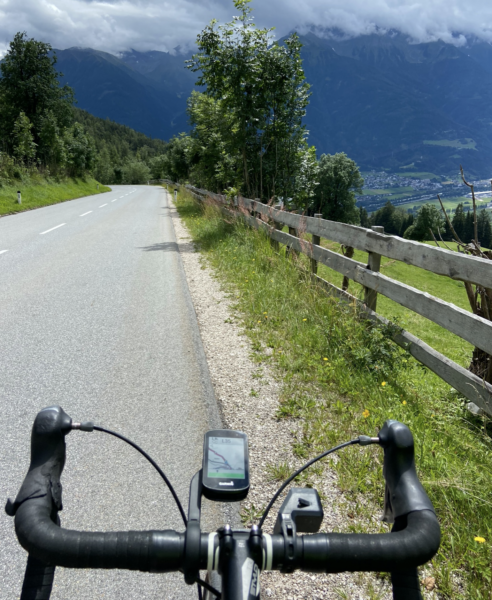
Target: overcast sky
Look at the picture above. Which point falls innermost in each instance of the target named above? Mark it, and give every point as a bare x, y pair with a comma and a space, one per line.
117, 25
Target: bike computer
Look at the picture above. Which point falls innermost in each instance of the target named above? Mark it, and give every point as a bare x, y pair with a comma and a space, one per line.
225, 472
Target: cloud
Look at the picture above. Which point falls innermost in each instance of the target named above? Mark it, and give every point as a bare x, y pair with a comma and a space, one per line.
117, 25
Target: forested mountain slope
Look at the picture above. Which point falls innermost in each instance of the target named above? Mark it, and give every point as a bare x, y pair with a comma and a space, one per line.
384, 101
107, 87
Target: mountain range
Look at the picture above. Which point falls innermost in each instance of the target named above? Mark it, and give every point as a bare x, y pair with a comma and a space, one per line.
388, 103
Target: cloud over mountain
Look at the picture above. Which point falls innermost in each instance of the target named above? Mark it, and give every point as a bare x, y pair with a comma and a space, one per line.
117, 25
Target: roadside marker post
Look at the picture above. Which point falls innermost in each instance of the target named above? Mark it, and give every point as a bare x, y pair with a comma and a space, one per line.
19, 199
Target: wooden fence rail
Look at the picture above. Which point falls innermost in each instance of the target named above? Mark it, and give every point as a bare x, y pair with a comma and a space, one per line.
470, 327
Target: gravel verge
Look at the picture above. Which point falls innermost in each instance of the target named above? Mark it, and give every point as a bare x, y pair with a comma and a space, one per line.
248, 396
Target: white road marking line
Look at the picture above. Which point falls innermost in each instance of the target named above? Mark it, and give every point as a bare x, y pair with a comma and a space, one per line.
87, 213
103, 205
3, 251
48, 230
114, 200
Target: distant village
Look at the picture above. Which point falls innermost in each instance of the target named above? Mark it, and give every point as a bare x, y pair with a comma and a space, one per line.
394, 187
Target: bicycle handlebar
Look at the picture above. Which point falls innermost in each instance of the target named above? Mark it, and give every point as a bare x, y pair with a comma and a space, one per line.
413, 541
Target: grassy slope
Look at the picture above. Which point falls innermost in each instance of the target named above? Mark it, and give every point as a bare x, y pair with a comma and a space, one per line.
43, 193
341, 379
436, 285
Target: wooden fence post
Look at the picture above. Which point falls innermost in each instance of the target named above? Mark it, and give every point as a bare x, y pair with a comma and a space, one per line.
275, 245
374, 264
293, 253
316, 241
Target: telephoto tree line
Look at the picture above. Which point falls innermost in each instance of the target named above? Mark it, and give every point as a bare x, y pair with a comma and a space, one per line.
36, 118
42, 134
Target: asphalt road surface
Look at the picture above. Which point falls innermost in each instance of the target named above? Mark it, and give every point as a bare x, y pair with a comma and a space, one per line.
95, 315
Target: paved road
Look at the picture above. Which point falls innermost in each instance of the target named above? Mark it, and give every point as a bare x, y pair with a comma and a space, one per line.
95, 315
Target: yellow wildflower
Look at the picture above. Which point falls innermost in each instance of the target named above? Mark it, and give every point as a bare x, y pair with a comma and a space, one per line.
404, 402
384, 383
479, 539
366, 413
325, 359
304, 319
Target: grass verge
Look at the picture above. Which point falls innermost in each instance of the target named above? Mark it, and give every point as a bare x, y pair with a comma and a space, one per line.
43, 193
343, 377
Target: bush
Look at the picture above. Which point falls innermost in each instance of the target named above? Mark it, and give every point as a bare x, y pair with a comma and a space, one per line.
135, 172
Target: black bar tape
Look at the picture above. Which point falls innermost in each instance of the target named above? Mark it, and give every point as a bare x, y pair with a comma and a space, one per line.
155, 551
413, 545
406, 585
38, 580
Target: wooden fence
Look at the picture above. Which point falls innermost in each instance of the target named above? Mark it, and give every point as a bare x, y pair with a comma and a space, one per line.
470, 327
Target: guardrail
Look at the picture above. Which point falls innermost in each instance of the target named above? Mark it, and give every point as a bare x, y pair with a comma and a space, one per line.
472, 328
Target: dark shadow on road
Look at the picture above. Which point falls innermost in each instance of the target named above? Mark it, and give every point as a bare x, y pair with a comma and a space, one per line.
167, 247
163, 247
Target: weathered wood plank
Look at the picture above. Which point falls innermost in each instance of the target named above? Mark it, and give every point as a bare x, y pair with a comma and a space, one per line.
466, 325
437, 260
471, 386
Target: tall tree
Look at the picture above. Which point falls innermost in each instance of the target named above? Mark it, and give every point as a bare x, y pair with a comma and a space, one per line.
484, 229
339, 179
29, 85
429, 222
458, 221
261, 86
24, 146
364, 218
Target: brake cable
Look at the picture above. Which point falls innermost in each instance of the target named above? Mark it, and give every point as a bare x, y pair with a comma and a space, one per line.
363, 440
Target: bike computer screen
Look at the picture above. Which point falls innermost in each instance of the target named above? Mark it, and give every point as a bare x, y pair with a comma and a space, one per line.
225, 472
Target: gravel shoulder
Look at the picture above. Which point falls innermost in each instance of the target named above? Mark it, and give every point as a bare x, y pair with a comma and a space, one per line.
235, 376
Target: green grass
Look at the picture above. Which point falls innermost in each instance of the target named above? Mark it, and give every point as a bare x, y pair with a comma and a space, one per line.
449, 203
342, 377
43, 193
436, 285
398, 190
469, 144
421, 175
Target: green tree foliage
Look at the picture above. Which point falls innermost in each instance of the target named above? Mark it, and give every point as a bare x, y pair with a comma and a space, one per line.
52, 152
259, 88
24, 146
364, 218
208, 155
135, 172
116, 145
484, 229
429, 218
394, 220
339, 179
29, 85
104, 170
463, 225
81, 155
458, 221
178, 157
